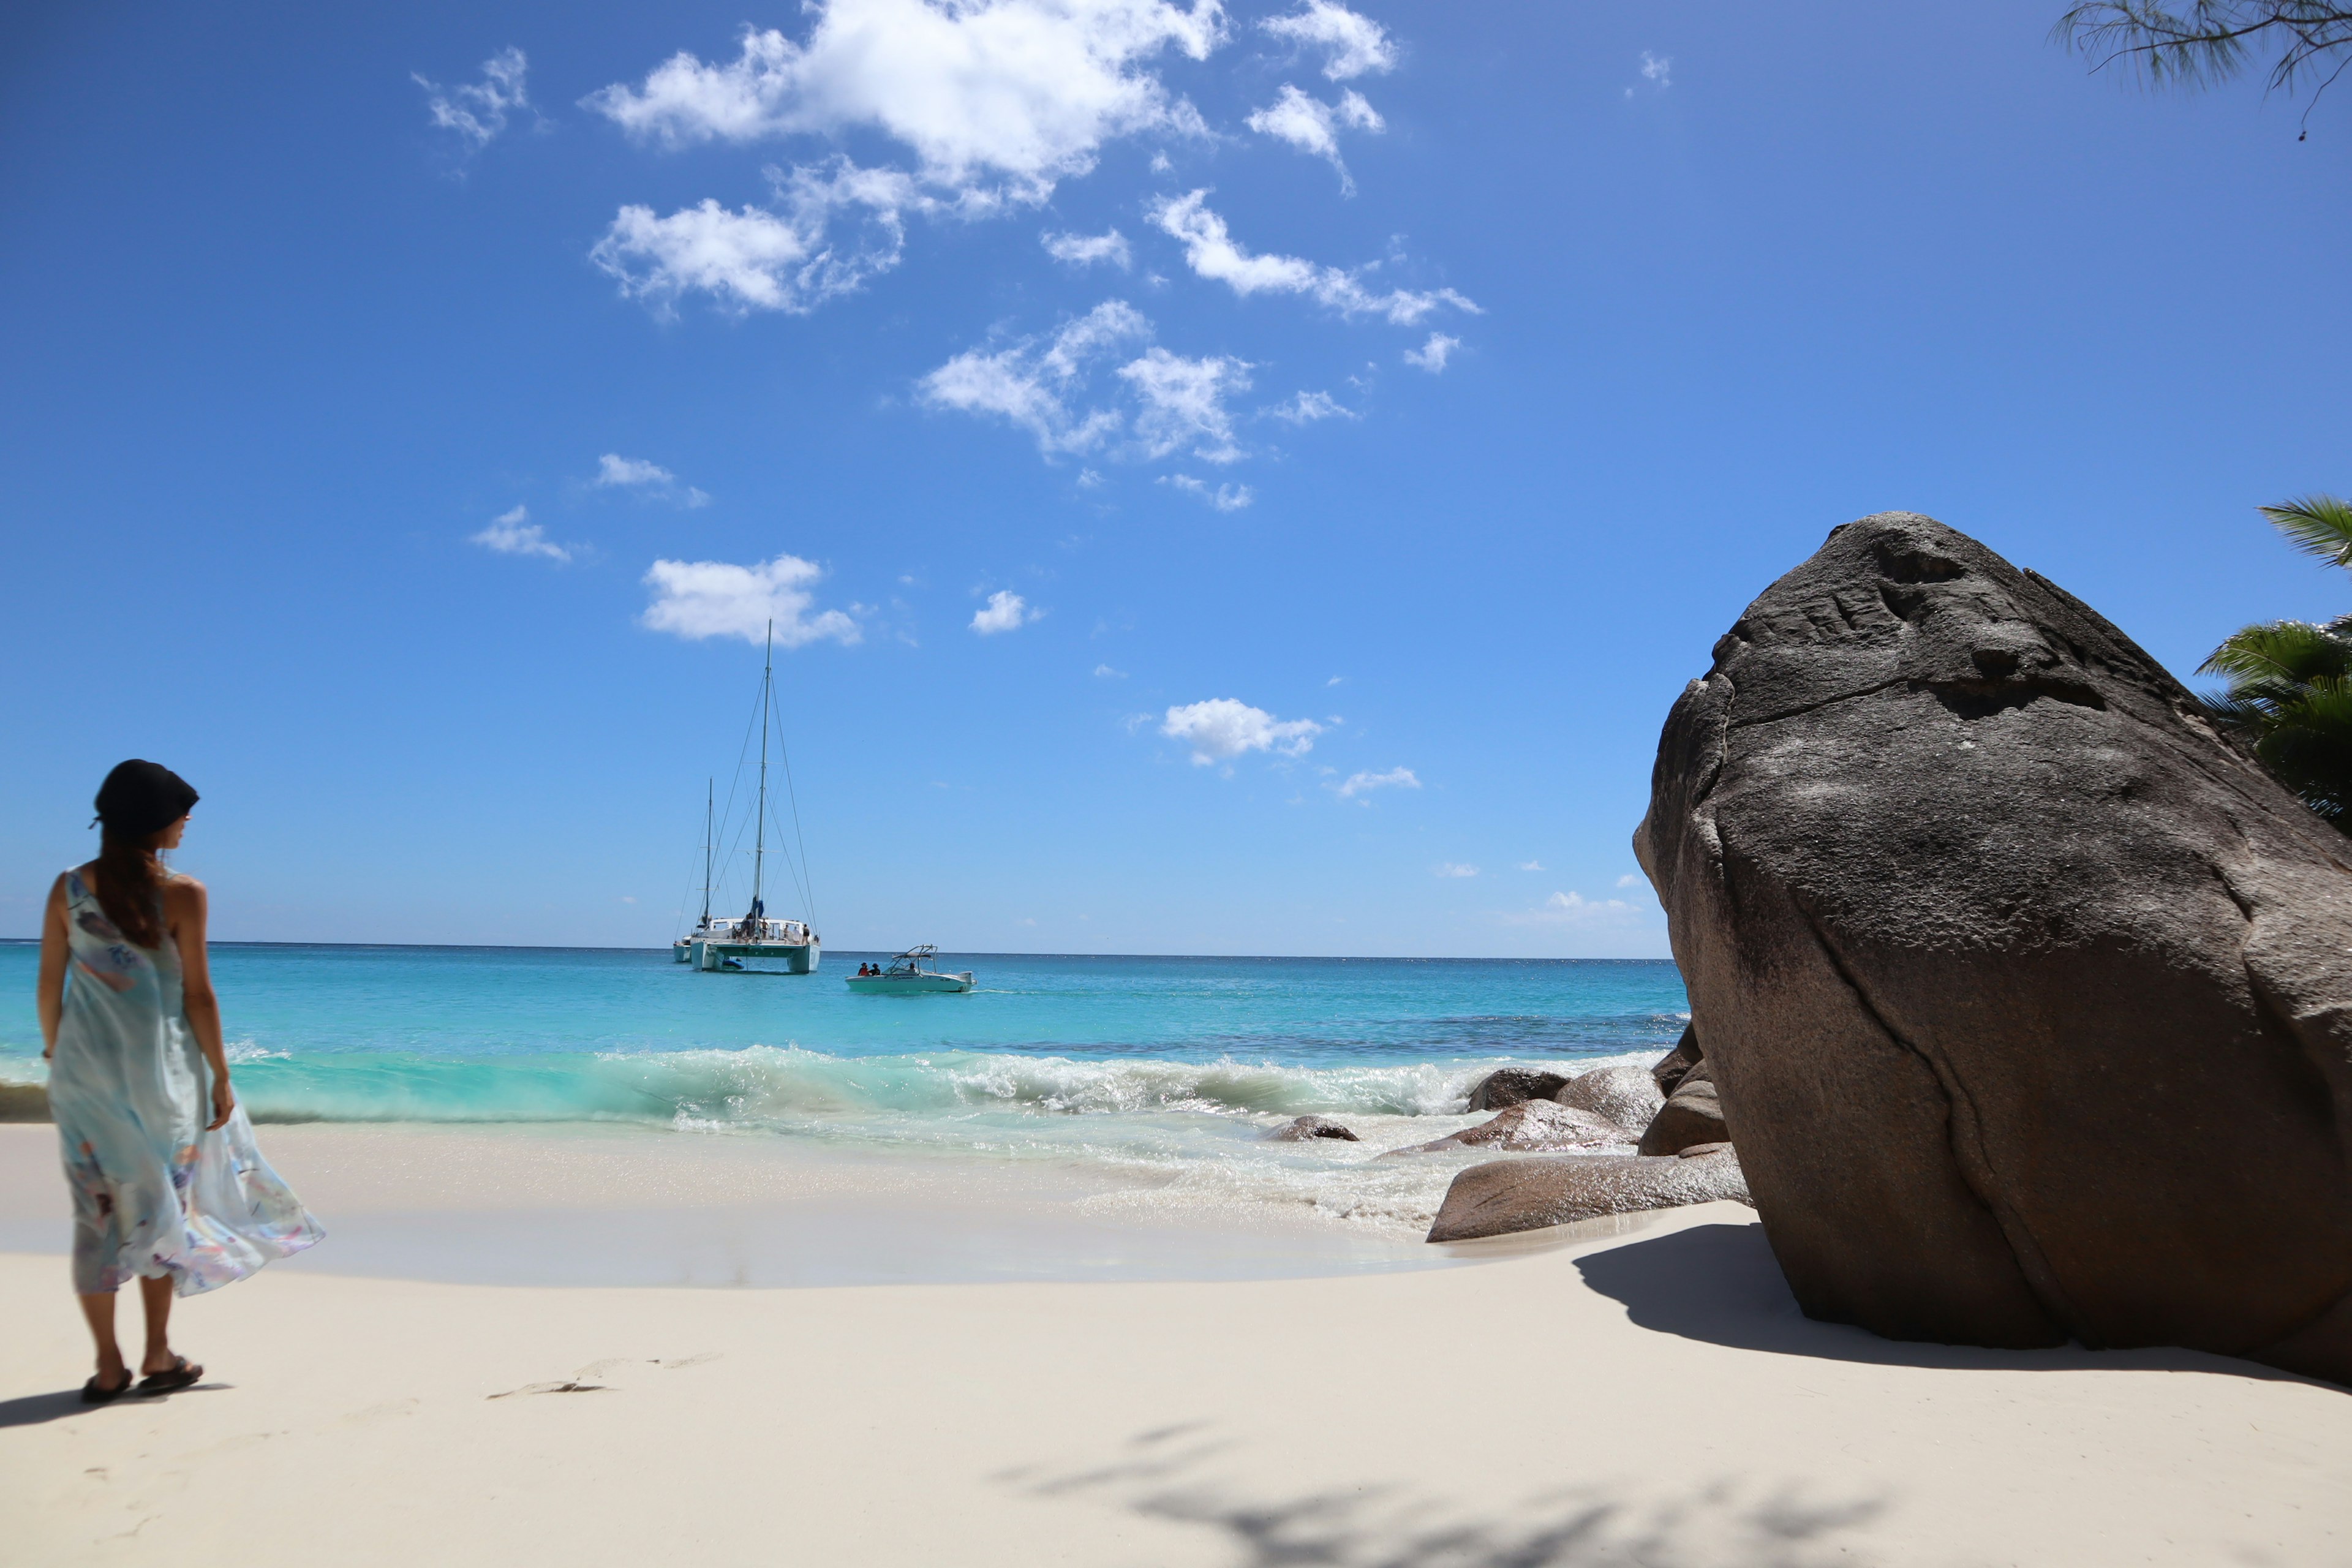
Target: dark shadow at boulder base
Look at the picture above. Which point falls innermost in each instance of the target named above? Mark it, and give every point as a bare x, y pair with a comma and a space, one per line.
1720, 1283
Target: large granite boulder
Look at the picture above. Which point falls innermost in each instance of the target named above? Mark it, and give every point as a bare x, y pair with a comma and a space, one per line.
1508, 1196
1623, 1097
1668, 1070
1692, 1115
1509, 1086
2027, 996
1532, 1124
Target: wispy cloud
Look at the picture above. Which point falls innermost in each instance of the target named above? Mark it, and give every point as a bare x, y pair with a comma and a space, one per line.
1223, 727
1105, 672
779, 258
1005, 611
645, 478
1575, 910
1307, 408
513, 533
1432, 355
1044, 386
1365, 783
477, 112
1538, 866
1353, 45
1453, 868
1086, 250
1657, 70
1632, 880
1313, 126
1224, 498
1212, 253
697, 599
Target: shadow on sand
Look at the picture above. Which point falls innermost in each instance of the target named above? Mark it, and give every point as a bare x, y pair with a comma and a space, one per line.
33, 1409
1720, 1283
1167, 1475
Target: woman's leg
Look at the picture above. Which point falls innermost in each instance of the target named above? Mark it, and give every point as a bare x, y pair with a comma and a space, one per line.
100, 1311
155, 1295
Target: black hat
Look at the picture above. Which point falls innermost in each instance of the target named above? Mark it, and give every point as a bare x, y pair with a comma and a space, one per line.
139, 798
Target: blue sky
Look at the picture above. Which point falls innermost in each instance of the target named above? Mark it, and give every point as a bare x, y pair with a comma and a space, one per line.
404, 414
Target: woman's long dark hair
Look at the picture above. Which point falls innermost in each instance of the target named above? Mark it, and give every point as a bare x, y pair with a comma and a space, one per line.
130, 887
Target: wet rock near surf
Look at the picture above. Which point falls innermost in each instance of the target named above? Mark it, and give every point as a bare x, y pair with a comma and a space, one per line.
1509, 1195
1692, 1115
1669, 1070
1306, 1129
2027, 994
1511, 1086
1625, 1098
1532, 1125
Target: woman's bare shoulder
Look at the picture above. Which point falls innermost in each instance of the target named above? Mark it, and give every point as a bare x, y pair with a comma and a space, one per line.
181, 890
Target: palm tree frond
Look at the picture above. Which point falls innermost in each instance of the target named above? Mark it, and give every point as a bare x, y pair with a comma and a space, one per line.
2317, 525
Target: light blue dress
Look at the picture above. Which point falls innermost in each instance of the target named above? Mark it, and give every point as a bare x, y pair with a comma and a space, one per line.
153, 1193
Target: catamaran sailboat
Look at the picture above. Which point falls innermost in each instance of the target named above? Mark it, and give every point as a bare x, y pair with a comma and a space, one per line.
754, 937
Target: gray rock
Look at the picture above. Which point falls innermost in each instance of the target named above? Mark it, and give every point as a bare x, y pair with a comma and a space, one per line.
2029, 996
1535, 1124
24, 1102
1310, 1127
1692, 1115
1623, 1097
1528, 1194
1509, 1086
1669, 1069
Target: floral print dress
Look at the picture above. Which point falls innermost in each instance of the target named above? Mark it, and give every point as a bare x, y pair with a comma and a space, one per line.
153, 1194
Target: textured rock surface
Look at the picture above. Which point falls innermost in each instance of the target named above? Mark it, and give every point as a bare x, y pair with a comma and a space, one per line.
2027, 996
1529, 1195
1308, 1127
1509, 1086
1623, 1097
1669, 1069
1536, 1124
1692, 1115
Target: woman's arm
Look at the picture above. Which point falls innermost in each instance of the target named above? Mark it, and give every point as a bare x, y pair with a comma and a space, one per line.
183, 912
56, 947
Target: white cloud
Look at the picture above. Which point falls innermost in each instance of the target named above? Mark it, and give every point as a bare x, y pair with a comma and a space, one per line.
1105, 672
697, 599
1044, 384
1655, 68
513, 533
1004, 612
1432, 355
1084, 250
1212, 252
1449, 869
1223, 729
1307, 408
615, 472
1033, 381
998, 100
1182, 401
1575, 909
1363, 783
477, 111
760, 259
1530, 865
1353, 45
1631, 880
1313, 126
1224, 498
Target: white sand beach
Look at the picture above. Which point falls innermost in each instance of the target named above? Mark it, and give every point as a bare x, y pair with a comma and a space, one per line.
1651, 1398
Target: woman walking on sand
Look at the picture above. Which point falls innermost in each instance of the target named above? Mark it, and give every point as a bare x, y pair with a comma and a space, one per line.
167, 1183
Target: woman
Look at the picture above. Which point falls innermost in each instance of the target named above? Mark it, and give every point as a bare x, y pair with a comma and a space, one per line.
167, 1184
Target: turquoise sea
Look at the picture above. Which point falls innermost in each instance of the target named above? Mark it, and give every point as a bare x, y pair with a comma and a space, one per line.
1170, 1065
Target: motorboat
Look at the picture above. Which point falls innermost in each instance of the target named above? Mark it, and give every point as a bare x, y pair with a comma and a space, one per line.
911, 974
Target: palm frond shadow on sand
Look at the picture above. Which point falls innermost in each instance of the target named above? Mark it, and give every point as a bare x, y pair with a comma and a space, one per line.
1166, 1475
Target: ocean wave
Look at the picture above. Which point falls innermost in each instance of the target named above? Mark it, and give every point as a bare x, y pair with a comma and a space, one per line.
789, 1088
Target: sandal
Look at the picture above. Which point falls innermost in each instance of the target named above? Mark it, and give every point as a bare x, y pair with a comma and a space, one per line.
183, 1373
91, 1393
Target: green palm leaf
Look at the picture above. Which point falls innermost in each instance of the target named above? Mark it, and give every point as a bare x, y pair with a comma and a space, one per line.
2317, 525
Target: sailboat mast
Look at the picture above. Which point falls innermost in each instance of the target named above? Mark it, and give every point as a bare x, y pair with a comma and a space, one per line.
759, 839
710, 798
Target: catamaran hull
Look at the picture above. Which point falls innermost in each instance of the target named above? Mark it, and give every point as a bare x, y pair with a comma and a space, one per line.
794, 957
906, 984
